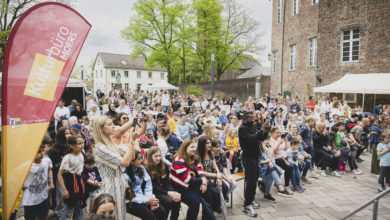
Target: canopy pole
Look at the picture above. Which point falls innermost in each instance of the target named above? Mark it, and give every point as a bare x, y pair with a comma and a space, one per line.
363, 104
374, 99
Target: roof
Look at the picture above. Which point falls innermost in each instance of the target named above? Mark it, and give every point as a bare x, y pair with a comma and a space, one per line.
121, 61
370, 83
256, 71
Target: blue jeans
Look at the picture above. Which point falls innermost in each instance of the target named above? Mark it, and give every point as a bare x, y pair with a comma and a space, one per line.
74, 212
270, 177
295, 176
59, 210
305, 166
310, 151
231, 187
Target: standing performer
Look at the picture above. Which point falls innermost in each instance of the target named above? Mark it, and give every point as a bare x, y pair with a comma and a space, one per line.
250, 142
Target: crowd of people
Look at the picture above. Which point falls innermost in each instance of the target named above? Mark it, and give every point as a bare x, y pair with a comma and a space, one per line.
146, 153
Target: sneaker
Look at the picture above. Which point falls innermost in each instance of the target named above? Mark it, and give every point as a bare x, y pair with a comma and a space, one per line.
322, 173
255, 205
314, 175
300, 189
269, 198
248, 210
359, 171
284, 193
306, 180
356, 172
341, 173
289, 190
380, 190
261, 186
335, 173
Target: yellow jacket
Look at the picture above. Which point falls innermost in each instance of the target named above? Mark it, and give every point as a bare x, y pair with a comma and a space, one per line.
231, 143
172, 124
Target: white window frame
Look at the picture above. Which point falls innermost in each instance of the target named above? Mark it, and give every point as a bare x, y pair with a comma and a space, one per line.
150, 75
278, 11
295, 5
313, 2
162, 76
351, 41
113, 73
274, 61
313, 42
126, 86
138, 74
293, 57
127, 73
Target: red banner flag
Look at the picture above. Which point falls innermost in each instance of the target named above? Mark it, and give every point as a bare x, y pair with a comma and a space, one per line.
41, 52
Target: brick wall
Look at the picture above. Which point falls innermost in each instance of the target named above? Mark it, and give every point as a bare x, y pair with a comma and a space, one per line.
298, 30
234, 88
372, 18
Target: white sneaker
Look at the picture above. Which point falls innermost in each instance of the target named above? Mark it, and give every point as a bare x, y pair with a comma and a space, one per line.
335, 173
314, 175
306, 180
322, 173
341, 173
289, 190
356, 172
359, 171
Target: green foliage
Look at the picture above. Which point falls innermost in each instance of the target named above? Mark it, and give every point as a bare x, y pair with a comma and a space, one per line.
194, 90
180, 36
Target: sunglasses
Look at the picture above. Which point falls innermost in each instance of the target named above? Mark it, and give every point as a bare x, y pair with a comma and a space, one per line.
125, 118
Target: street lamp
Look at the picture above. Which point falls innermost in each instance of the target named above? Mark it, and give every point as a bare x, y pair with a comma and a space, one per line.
212, 74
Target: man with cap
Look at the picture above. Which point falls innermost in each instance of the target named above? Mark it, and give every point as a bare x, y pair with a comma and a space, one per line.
76, 130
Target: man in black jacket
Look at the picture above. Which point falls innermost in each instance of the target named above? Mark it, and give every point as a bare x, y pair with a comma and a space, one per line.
250, 140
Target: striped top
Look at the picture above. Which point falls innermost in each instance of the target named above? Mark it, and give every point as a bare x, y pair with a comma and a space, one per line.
184, 176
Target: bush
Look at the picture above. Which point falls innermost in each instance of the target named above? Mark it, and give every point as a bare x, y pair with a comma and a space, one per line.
194, 90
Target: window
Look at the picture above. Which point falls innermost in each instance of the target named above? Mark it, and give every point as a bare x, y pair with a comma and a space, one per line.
138, 87
351, 41
162, 76
126, 73
138, 74
150, 75
126, 86
278, 11
313, 2
295, 7
112, 85
293, 61
274, 61
113, 73
313, 52
96, 74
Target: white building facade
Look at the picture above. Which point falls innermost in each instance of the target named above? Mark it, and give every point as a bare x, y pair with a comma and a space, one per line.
133, 74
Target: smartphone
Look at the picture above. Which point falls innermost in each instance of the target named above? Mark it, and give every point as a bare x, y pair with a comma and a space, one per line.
141, 114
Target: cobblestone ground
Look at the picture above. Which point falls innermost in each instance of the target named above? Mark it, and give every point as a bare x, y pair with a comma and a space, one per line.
325, 198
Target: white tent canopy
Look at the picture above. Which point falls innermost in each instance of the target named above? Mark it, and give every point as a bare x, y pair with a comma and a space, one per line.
372, 83
162, 85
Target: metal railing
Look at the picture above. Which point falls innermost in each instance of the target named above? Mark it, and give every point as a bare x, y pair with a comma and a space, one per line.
374, 200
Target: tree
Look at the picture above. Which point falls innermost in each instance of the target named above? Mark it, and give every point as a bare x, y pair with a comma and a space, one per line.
239, 37
207, 31
152, 32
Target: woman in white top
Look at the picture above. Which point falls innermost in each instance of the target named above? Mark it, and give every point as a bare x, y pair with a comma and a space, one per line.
109, 157
162, 136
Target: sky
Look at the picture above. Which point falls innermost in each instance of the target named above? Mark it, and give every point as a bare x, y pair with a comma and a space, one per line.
108, 18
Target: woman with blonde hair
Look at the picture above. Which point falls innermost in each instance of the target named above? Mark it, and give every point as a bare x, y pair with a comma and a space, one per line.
109, 157
208, 130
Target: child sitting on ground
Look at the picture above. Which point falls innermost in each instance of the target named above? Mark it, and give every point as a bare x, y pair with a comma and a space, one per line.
291, 156
92, 178
383, 149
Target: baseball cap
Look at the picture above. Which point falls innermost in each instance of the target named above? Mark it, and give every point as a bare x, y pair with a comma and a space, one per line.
354, 115
76, 126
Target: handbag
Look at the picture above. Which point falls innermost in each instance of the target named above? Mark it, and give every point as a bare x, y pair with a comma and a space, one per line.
129, 194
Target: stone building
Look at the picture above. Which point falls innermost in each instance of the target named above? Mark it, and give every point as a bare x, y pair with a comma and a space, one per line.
322, 40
